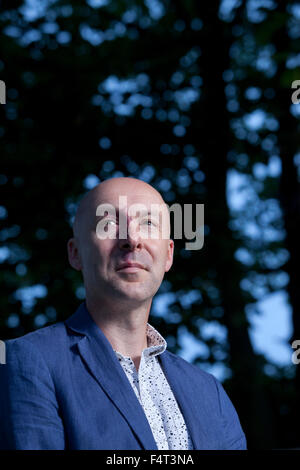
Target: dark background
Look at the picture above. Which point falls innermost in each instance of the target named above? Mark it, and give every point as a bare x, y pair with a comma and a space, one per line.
183, 94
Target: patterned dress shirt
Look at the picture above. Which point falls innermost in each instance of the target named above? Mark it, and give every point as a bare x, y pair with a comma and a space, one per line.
155, 395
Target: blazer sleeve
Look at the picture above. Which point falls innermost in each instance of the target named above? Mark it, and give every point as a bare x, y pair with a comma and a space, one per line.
29, 415
234, 436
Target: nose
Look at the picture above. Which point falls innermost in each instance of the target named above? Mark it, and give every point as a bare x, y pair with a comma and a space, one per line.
133, 240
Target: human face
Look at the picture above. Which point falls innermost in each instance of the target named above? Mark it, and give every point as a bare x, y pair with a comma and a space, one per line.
130, 269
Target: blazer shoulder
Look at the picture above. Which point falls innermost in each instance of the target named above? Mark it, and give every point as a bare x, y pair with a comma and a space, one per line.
40, 336
44, 341
191, 369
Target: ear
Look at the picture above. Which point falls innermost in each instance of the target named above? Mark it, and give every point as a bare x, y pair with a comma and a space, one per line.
169, 260
74, 255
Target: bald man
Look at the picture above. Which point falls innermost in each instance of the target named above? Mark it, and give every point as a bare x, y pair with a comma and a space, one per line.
103, 379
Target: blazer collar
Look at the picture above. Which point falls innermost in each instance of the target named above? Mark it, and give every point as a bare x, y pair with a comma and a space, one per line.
97, 352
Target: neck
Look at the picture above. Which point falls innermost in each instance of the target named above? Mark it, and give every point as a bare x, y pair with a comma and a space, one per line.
123, 325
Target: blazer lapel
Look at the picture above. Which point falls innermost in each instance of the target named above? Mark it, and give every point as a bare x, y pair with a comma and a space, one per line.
101, 360
193, 415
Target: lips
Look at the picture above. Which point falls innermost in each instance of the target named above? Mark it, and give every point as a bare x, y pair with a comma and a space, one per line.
130, 265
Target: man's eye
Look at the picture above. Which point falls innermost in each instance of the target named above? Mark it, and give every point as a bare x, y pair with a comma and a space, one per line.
149, 220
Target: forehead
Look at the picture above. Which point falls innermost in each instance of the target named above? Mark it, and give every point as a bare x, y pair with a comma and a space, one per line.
133, 194
124, 198
125, 194
134, 207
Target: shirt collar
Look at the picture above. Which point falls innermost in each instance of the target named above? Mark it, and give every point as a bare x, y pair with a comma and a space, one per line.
156, 344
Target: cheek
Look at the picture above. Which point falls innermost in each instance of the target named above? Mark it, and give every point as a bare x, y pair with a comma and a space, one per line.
101, 247
94, 255
159, 252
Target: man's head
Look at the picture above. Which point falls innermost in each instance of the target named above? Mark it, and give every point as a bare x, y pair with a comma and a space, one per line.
105, 262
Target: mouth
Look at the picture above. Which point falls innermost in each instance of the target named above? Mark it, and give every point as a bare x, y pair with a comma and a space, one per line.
130, 267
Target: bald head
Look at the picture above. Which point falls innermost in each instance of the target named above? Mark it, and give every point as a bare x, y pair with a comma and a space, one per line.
108, 191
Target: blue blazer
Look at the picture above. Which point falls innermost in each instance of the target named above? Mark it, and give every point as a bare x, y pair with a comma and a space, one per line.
62, 387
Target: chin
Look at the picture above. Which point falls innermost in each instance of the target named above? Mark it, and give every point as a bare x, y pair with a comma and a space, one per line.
134, 292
